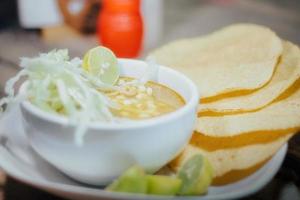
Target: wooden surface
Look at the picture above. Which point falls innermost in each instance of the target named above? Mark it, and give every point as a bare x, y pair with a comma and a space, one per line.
182, 19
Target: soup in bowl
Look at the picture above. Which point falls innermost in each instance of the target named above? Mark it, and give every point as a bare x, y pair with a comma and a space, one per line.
155, 123
142, 101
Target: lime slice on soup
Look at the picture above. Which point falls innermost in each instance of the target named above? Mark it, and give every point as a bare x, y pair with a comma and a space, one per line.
102, 63
196, 175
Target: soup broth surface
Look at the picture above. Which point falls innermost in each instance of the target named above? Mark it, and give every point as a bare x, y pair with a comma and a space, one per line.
138, 101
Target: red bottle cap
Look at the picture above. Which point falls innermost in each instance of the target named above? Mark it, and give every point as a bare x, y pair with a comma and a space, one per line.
122, 5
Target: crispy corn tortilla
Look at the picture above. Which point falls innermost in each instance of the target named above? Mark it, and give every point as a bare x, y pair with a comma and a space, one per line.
225, 161
282, 116
237, 174
232, 61
210, 143
286, 77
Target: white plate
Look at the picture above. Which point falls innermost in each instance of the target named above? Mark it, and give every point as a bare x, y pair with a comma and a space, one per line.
20, 162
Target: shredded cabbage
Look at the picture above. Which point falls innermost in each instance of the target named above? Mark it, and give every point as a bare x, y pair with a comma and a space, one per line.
57, 84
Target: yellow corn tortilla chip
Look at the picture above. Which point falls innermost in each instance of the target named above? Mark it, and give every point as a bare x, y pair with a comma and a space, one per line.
211, 143
225, 161
237, 174
286, 77
282, 116
232, 61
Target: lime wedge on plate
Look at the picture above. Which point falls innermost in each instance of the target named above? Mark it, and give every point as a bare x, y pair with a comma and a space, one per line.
196, 175
132, 180
163, 185
102, 62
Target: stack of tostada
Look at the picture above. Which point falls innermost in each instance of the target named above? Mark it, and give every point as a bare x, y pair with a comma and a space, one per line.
249, 83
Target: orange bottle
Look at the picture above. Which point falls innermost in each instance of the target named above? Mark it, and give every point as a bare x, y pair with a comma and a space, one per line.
120, 27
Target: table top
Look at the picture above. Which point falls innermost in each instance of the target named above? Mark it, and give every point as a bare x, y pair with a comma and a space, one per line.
181, 19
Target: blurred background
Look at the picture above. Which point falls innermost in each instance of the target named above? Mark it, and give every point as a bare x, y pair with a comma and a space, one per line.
132, 28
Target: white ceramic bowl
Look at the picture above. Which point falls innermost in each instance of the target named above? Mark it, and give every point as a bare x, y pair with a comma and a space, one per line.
109, 149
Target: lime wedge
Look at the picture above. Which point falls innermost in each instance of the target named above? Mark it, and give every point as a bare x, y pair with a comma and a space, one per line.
163, 185
133, 181
102, 63
196, 175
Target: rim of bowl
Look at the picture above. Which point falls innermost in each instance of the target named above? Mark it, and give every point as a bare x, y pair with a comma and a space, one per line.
65, 121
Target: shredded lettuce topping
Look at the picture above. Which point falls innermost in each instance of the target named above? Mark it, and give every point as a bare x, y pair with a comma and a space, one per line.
57, 84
